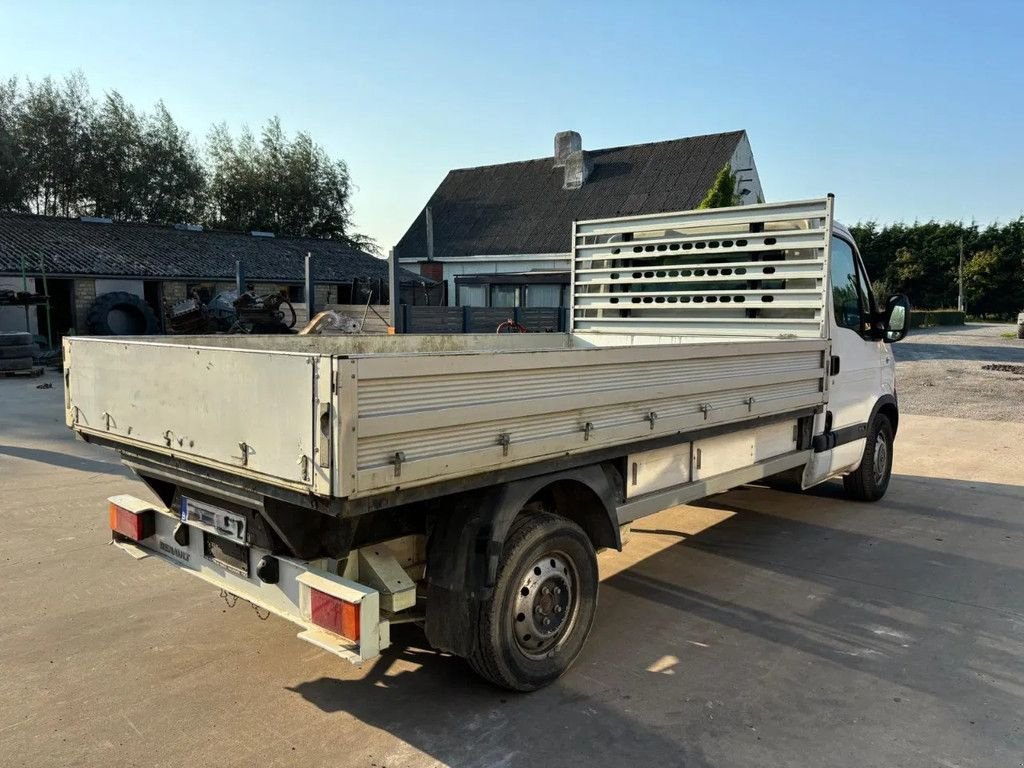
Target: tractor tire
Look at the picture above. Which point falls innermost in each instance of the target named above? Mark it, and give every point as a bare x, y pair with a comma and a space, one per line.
16, 364
15, 338
871, 479
540, 612
20, 350
121, 314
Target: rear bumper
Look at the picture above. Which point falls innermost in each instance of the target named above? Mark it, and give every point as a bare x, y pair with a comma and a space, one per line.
287, 598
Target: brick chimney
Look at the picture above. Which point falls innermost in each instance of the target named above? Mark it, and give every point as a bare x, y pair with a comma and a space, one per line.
569, 155
566, 142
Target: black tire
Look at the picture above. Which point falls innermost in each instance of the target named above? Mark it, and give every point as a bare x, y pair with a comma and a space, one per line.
565, 594
121, 314
871, 479
1020, 331
16, 364
15, 338
19, 350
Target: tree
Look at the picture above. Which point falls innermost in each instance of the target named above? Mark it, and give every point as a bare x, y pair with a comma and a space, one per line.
723, 190
280, 185
922, 260
116, 178
13, 183
62, 154
54, 142
173, 181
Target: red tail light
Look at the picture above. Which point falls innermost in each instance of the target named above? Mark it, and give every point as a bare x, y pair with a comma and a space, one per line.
134, 525
334, 614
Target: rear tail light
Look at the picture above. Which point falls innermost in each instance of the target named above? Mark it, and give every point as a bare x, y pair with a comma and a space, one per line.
134, 525
334, 614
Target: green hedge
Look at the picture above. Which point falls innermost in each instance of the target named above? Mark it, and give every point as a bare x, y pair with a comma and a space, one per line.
923, 318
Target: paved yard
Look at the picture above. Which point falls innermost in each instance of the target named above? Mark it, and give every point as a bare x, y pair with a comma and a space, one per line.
943, 371
758, 628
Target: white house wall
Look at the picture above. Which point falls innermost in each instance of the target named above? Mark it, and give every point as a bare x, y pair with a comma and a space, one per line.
742, 164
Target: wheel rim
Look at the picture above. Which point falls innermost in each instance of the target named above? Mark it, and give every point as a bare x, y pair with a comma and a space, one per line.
544, 610
881, 460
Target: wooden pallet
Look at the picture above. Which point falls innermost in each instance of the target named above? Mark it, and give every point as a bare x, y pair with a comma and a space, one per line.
35, 370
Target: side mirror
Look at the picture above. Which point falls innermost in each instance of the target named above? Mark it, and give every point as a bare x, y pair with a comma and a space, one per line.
897, 318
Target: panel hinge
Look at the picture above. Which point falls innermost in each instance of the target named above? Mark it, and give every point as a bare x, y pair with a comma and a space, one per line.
246, 448
706, 408
397, 461
651, 417
504, 440
588, 428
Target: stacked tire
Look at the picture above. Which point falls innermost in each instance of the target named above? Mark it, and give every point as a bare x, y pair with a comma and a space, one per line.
17, 351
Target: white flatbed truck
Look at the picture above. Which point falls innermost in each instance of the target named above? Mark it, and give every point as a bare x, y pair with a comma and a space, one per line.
466, 482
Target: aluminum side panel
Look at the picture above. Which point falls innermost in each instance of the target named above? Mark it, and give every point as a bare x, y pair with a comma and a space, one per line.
251, 412
445, 418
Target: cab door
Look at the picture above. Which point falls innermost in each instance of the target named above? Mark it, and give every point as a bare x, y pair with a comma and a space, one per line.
856, 370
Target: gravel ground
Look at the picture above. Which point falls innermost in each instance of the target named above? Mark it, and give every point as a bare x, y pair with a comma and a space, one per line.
939, 372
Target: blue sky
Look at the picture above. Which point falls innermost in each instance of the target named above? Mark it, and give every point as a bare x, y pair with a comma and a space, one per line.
906, 110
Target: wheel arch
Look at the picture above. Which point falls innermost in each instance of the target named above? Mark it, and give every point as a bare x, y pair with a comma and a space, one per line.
466, 539
887, 406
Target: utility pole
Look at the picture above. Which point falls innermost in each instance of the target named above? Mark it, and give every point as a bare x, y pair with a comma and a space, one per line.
960, 279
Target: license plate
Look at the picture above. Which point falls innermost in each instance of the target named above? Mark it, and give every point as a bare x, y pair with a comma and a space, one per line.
206, 517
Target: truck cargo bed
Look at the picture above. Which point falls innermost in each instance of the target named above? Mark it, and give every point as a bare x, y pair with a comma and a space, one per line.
354, 416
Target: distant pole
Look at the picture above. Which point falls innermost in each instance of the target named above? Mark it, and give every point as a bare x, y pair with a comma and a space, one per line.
24, 289
394, 288
239, 277
960, 279
430, 235
309, 287
46, 293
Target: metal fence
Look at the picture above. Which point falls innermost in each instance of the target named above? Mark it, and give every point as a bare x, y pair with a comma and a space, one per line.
420, 319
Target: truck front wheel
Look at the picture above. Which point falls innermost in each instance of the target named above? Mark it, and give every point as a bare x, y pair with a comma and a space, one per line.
542, 607
870, 481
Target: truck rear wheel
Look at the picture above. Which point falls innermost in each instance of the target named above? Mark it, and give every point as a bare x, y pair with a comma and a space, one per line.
542, 607
871, 480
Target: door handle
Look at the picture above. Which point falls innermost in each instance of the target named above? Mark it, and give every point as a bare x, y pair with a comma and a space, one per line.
834, 365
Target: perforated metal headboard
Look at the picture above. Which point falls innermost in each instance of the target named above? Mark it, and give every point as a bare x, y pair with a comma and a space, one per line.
753, 270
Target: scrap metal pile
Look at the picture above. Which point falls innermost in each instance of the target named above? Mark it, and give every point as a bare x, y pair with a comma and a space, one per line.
230, 313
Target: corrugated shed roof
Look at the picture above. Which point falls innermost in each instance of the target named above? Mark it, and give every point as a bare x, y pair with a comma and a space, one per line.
521, 207
74, 247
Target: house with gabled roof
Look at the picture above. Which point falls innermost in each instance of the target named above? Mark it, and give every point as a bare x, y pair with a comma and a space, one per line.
500, 235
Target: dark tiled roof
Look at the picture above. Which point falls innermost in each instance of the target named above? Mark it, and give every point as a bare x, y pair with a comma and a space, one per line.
522, 208
74, 247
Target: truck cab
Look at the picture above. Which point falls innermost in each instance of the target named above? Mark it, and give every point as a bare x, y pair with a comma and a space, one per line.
862, 371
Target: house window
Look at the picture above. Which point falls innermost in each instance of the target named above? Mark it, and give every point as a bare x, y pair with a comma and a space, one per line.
296, 294
472, 295
510, 291
543, 295
504, 295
